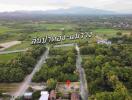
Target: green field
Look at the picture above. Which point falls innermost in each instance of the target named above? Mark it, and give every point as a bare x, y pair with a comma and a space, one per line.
23, 45
4, 29
7, 57
54, 29
57, 26
108, 32
50, 29
105, 33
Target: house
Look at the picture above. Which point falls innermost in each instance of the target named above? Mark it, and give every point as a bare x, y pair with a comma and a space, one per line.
75, 96
44, 95
28, 96
52, 95
103, 42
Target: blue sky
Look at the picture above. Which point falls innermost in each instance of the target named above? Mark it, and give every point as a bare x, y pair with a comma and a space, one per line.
114, 5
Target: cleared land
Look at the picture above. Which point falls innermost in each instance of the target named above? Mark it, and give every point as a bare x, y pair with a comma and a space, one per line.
9, 44
8, 87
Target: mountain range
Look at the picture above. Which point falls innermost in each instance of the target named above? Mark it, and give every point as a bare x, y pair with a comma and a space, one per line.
80, 10
69, 11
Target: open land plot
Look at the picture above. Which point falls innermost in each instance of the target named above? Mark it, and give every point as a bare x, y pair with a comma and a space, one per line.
9, 44
22, 46
8, 87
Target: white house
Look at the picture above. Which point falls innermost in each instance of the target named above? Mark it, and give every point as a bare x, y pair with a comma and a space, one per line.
44, 95
104, 42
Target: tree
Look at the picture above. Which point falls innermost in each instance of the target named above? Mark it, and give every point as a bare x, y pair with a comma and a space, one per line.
51, 84
99, 59
119, 33
36, 95
27, 63
68, 68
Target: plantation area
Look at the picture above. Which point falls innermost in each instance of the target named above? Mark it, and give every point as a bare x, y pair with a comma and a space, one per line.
15, 70
60, 66
108, 71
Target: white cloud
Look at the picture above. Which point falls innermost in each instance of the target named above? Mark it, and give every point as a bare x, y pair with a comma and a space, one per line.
120, 6
115, 5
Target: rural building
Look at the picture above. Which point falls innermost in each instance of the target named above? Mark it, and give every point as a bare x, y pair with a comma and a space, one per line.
103, 42
75, 96
44, 95
28, 96
52, 95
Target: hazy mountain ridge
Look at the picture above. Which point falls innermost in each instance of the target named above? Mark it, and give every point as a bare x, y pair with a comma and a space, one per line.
69, 11
80, 10
74, 11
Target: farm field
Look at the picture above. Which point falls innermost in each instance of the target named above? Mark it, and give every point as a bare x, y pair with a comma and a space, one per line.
109, 32
22, 46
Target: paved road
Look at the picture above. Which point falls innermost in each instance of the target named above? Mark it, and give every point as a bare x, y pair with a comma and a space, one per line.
14, 51
83, 81
24, 86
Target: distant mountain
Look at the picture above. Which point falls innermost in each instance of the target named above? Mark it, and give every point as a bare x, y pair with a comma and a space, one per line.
80, 10
70, 11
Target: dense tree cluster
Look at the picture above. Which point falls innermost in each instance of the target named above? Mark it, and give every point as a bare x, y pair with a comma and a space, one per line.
122, 39
108, 71
16, 69
60, 66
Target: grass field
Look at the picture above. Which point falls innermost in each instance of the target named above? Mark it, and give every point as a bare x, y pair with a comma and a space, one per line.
108, 32
57, 26
7, 57
23, 45
4, 29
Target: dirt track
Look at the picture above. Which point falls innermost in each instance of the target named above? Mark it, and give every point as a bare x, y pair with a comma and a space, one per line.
8, 44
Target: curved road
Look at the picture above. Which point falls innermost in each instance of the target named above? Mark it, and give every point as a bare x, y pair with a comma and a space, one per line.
25, 84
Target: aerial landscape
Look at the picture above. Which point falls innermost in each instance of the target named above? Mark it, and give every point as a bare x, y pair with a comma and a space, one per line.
74, 53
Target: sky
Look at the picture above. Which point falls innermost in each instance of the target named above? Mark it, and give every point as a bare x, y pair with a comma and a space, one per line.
113, 5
